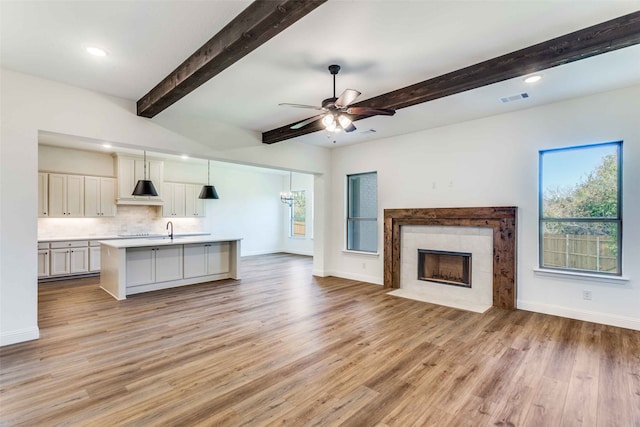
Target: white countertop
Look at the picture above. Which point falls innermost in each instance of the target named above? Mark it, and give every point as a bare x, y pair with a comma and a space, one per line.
75, 238
164, 241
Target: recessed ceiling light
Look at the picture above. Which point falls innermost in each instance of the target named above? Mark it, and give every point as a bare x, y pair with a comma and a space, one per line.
106, 145
96, 51
184, 157
532, 79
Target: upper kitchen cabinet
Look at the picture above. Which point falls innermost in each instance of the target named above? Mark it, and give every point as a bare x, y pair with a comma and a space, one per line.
174, 199
181, 200
43, 194
130, 170
194, 205
66, 195
99, 196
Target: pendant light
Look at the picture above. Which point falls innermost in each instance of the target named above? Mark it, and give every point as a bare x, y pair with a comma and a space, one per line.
287, 198
208, 191
144, 187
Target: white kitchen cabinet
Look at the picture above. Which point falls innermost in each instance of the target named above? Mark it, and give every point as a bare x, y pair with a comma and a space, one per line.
43, 194
127, 268
60, 262
174, 200
153, 265
194, 206
126, 173
140, 266
155, 172
69, 261
69, 257
168, 263
130, 170
79, 262
99, 196
43, 263
203, 259
66, 195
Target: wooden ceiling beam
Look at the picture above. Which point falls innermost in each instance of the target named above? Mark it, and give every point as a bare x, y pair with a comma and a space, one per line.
595, 40
254, 26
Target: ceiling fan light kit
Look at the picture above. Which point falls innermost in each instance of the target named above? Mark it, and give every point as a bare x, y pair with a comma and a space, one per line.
336, 116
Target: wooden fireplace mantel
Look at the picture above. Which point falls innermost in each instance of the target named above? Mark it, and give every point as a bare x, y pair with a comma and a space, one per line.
501, 219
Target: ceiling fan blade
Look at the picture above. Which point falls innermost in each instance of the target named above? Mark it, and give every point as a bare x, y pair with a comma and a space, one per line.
364, 111
346, 98
350, 128
306, 122
313, 107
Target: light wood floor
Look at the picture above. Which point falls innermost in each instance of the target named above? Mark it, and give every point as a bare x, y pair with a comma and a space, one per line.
280, 347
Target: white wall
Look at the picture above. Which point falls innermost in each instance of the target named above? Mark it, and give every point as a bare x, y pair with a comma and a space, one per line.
248, 206
64, 160
298, 245
494, 162
28, 105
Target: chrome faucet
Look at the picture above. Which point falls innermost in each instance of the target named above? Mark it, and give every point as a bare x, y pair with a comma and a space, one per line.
171, 233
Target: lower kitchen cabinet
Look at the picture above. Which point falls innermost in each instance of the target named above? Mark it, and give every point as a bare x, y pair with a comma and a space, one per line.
69, 261
58, 259
129, 268
43, 263
153, 265
203, 259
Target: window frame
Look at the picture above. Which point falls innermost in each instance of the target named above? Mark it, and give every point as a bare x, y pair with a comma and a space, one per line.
349, 219
292, 216
617, 220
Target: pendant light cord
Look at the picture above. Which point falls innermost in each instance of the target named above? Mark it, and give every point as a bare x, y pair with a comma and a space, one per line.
208, 172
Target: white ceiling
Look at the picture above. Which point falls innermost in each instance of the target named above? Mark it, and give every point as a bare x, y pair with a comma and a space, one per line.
381, 45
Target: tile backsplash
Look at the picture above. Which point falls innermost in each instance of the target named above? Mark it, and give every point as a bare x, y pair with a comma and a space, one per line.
129, 220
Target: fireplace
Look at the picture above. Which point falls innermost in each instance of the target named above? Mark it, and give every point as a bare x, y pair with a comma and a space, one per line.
500, 219
445, 267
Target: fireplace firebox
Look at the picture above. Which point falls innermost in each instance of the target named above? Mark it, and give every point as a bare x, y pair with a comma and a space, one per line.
449, 268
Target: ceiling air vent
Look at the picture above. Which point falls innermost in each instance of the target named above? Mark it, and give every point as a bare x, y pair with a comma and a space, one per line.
514, 97
367, 131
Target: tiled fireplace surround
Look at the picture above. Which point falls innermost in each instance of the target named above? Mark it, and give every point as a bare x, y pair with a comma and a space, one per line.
501, 220
477, 241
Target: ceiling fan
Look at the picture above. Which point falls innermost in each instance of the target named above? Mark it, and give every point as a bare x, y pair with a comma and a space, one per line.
336, 112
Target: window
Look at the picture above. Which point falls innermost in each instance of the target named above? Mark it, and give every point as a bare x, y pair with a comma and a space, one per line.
298, 214
580, 208
362, 212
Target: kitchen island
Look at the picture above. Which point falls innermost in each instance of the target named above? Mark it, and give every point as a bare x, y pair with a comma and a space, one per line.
134, 266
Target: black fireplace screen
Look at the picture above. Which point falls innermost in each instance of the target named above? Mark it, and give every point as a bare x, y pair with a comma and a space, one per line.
449, 268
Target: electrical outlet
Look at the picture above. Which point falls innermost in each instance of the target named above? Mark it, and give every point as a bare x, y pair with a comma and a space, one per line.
586, 295
364, 265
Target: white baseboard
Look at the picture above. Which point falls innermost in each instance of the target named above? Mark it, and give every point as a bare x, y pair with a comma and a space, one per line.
319, 273
589, 316
264, 252
360, 277
21, 335
305, 253
278, 251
